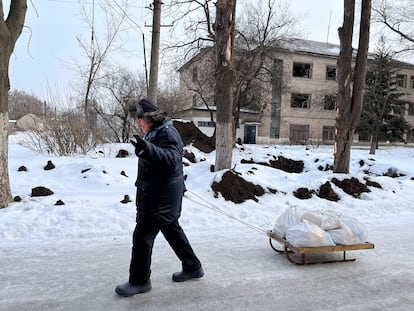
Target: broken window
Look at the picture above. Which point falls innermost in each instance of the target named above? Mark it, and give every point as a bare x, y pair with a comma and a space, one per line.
330, 102
402, 80
303, 70
411, 109
300, 101
328, 133
298, 132
330, 73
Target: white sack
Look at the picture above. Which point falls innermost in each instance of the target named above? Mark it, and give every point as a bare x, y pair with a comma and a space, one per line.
327, 220
351, 232
307, 234
290, 217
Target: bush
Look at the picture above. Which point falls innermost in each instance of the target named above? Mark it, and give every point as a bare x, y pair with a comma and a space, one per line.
63, 137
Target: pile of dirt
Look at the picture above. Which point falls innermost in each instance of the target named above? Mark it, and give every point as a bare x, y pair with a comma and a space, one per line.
303, 193
281, 163
41, 191
326, 192
234, 188
351, 186
191, 134
287, 165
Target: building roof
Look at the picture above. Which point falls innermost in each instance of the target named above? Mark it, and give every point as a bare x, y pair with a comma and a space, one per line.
298, 46
308, 46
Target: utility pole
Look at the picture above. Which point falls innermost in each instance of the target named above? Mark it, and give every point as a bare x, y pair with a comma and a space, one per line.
155, 51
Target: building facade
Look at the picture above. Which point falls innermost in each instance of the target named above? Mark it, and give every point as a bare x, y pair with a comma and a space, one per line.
298, 96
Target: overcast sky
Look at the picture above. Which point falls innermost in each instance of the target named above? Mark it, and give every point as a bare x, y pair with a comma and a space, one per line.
48, 45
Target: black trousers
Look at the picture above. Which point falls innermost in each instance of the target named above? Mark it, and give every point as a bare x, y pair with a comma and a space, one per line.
143, 241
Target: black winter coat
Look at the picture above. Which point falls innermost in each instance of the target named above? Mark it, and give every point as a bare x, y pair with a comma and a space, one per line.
160, 181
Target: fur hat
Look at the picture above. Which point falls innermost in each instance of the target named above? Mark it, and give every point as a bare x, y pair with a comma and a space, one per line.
143, 108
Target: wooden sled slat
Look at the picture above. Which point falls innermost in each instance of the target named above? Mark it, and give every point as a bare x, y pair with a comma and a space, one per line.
288, 249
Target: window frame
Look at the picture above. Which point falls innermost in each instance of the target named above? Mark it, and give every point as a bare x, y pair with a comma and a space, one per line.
328, 76
410, 109
301, 129
401, 80
328, 133
294, 97
334, 99
302, 72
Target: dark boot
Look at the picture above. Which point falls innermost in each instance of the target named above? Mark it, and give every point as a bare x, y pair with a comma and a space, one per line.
187, 275
127, 289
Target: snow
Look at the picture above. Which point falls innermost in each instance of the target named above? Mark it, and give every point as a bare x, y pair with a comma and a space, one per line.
70, 257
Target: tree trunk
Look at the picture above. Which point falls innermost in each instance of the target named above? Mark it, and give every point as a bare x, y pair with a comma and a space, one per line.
224, 31
10, 31
350, 99
373, 144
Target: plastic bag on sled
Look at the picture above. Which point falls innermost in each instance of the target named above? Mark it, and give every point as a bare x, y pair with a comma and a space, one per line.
307, 234
290, 217
351, 231
326, 220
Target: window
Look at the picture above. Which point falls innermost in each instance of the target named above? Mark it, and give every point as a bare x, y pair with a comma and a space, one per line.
402, 80
303, 70
205, 124
300, 101
328, 133
299, 132
194, 100
274, 129
411, 109
195, 74
330, 73
330, 102
412, 82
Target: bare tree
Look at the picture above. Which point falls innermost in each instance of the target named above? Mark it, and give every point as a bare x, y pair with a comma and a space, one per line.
97, 51
224, 93
22, 103
169, 98
397, 17
350, 83
119, 89
10, 30
263, 26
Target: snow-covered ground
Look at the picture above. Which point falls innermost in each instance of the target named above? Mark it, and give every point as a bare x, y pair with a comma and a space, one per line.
71, 256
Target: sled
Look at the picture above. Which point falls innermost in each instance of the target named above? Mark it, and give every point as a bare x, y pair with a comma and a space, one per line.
292, 251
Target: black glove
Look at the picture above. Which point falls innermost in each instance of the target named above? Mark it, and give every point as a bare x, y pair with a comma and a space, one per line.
139, 145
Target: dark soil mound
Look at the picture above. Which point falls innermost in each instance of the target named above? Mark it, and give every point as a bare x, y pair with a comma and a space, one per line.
234, 188
351, 186
22, 169
371, 183
189, 156
41, 191
126, 199
191, 134
326, 192
49, 166
281, 163
326, 168
122, 153
303, 193
287, 165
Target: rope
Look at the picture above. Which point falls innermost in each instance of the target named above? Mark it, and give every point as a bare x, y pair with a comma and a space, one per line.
220, 211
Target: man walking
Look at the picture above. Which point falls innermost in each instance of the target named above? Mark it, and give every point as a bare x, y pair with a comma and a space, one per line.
160, 186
